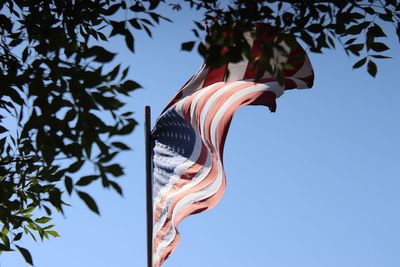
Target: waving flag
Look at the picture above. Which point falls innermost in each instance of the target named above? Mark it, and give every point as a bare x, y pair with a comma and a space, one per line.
189, 136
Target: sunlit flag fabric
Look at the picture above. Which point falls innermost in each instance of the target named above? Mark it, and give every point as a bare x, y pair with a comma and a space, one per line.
189, 136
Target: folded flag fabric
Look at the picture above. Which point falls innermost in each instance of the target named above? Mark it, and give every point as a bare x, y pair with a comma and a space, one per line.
189, 136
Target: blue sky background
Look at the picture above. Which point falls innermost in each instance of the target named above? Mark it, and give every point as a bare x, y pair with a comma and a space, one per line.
315, 184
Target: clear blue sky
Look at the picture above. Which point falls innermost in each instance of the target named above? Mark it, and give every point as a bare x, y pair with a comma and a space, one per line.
315, 184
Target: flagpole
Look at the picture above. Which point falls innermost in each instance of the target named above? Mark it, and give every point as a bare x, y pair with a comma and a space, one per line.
149, 193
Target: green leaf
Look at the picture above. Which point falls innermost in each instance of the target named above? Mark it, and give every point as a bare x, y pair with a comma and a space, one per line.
5, 229
196, 33
68, 184
118, 27
148, 22
135, 24
137, 7
379, 47
75, 166
306, 37
120, 145
127, 114
376, 31
116, 187
25, 53
350, 41
48, 227
324, 8
388, 16
16, 97
355, 48
47, 209
111, 10
380, 56
355, 29
43, 220
70, 115
5, 238
315, 28
48, 149
147, 30
155, 17
127, 129
100, 53
359, 63
372, 68
17, 237
4, 248
129, 40
114, 169
369, 10
89, 201
26, 254
53, 233
108, 157
129, 86
85, 180
124, 73
199, 25
154, 4
187, 46
55, 198
102, 36
112, 74
3, 142
3, 129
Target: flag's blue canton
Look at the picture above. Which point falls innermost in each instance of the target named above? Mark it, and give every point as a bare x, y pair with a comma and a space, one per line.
174, 141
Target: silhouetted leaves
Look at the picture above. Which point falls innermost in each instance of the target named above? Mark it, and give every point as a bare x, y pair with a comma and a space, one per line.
355, 48
116, 187
26, 254
101, 54
129, 41
114, 169
89, 201
372, 68
359, 63
188, 46
54, 81
75, 166
120, 145
17, 236
85, 180
320, 25
68, 184
2, 129
43, 220
379, 47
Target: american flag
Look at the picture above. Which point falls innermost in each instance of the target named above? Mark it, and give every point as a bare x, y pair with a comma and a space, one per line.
189, 136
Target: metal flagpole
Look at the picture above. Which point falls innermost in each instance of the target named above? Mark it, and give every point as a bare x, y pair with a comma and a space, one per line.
149, 191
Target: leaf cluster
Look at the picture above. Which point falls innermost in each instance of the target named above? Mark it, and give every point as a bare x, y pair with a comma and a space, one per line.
62, 106
359, 27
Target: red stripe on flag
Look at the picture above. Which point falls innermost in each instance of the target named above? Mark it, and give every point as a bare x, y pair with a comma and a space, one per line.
215, 75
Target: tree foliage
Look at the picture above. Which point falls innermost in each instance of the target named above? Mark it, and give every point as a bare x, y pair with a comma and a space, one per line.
63, 96
62, 107
360, 27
